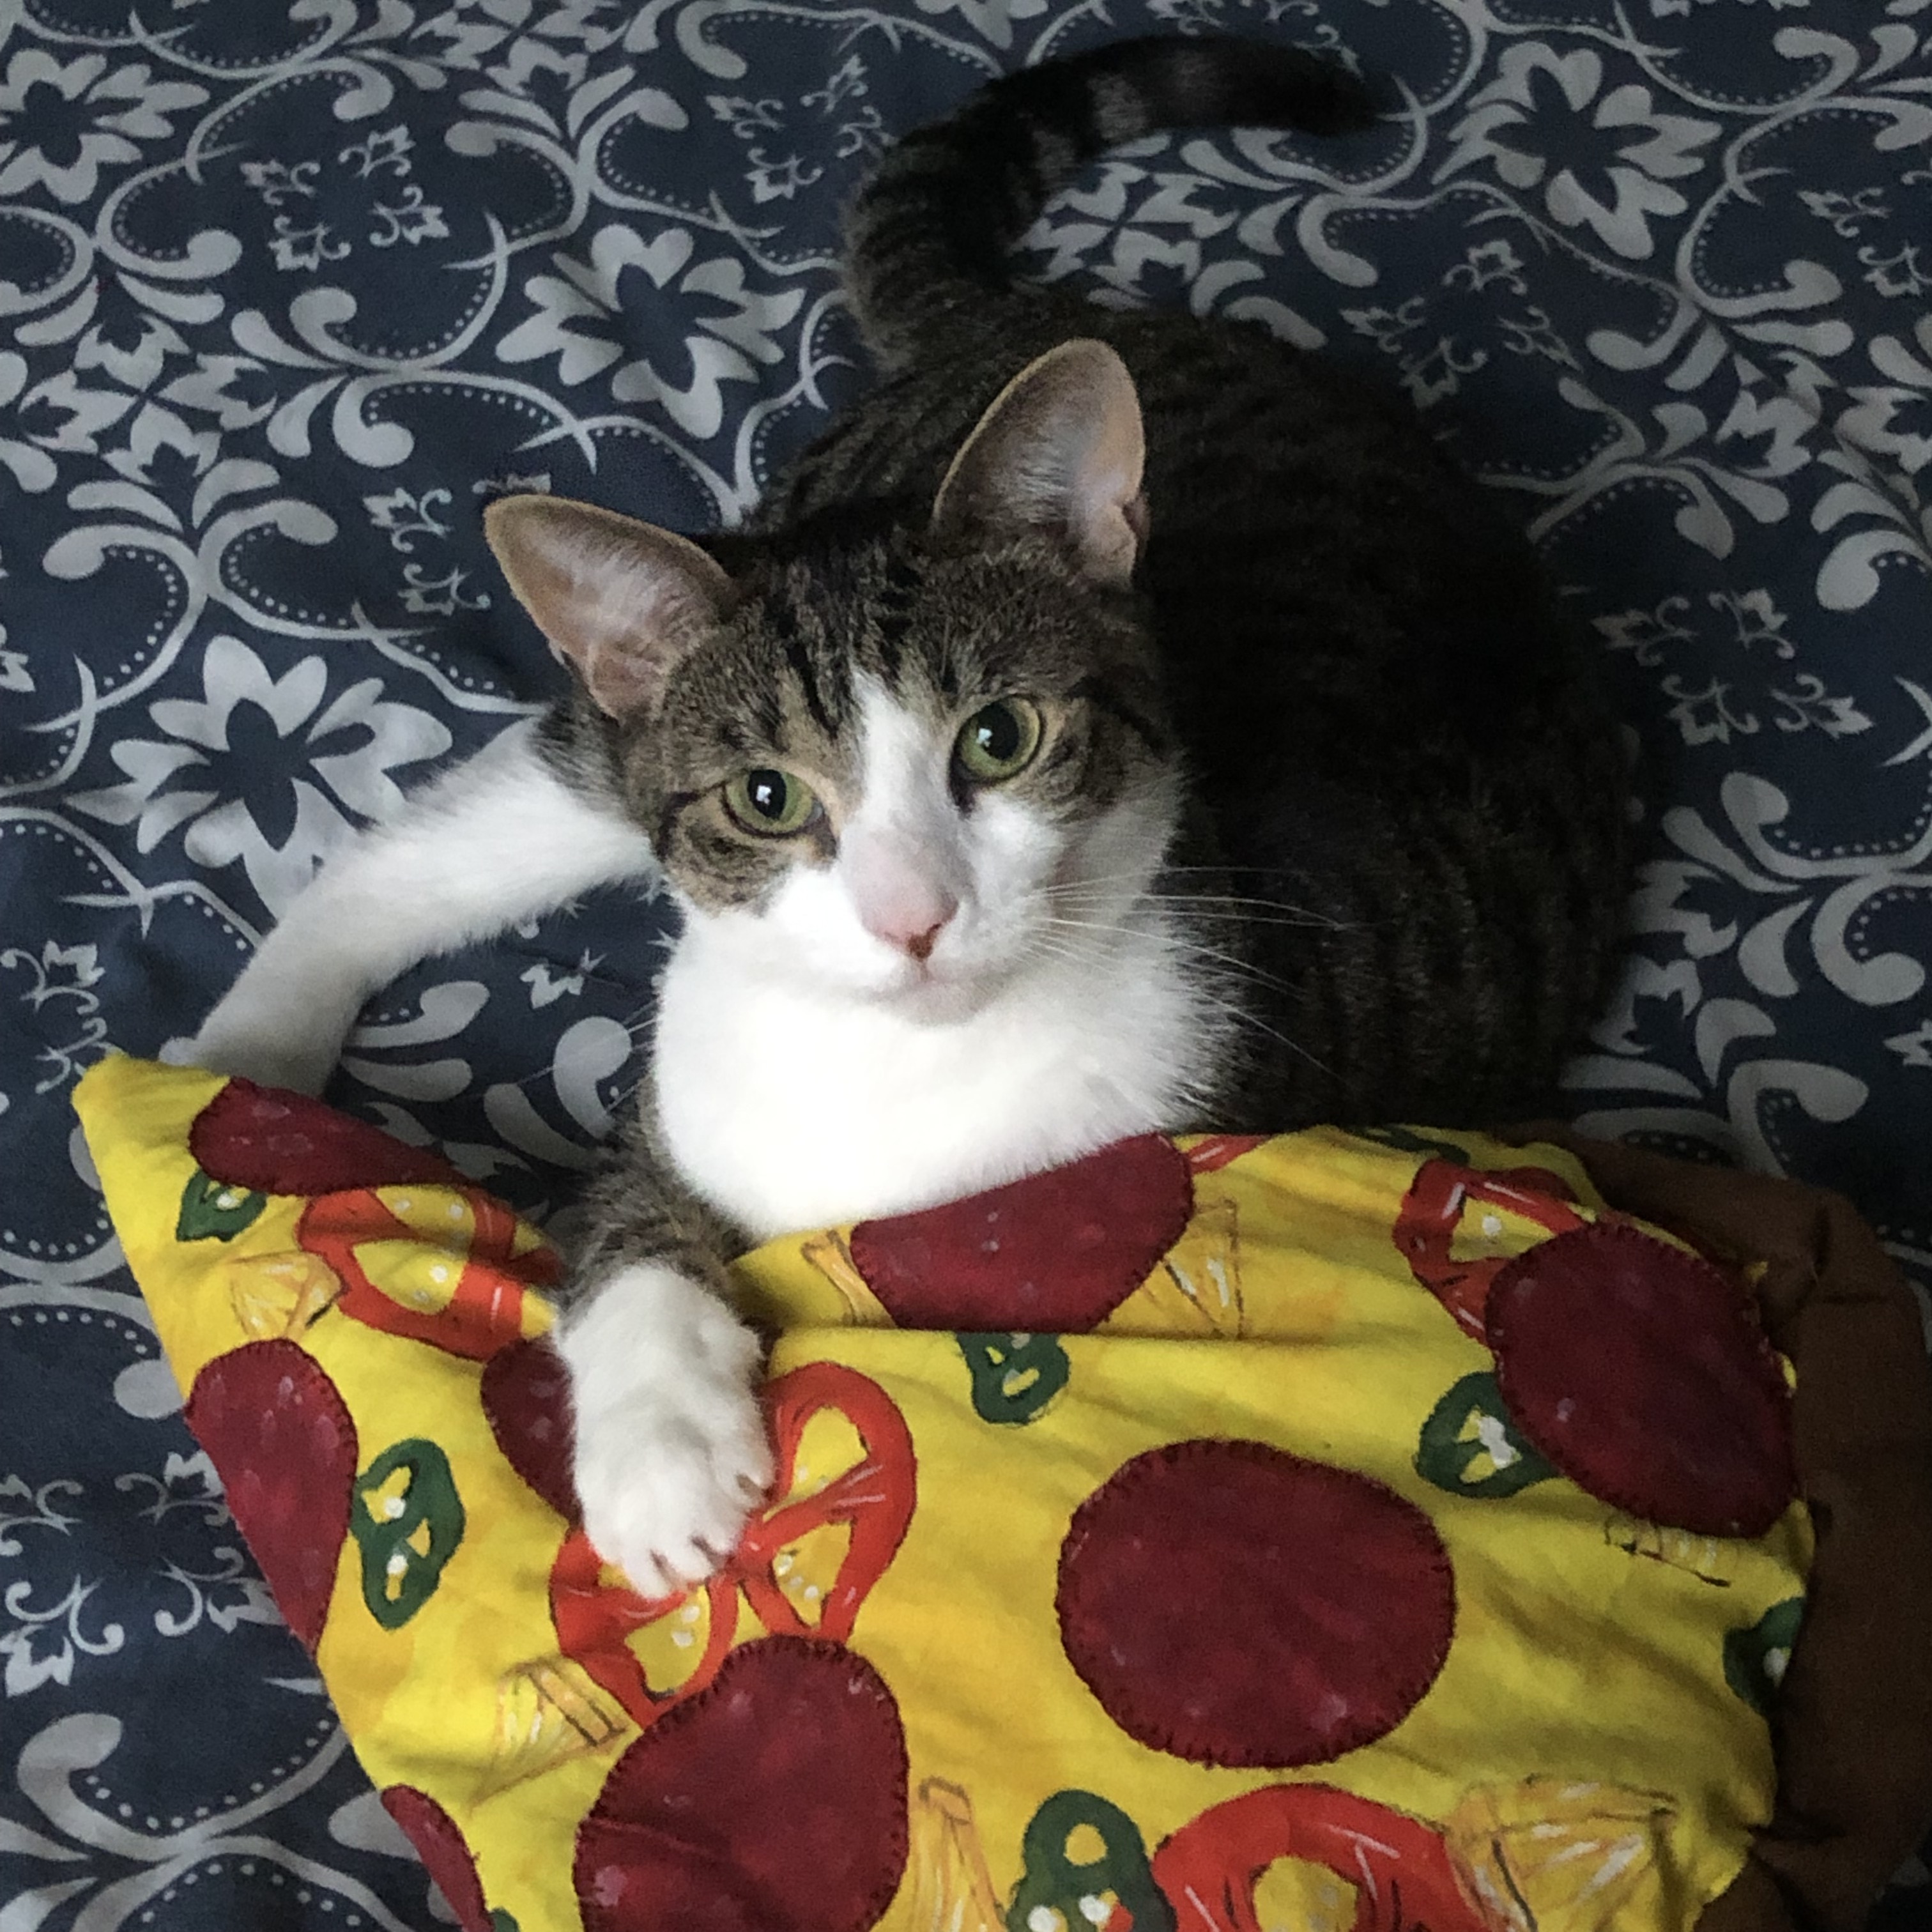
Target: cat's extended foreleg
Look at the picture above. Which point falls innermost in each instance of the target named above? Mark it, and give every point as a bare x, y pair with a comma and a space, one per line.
672, 1453
504, 837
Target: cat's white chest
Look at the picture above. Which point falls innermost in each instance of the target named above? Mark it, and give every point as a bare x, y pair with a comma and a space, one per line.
788, 1110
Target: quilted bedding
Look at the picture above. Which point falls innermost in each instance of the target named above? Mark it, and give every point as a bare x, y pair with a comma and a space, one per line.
288, 291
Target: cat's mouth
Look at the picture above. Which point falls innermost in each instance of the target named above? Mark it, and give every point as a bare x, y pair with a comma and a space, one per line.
942, 995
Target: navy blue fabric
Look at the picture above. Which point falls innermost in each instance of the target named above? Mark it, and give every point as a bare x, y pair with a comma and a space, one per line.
287, 292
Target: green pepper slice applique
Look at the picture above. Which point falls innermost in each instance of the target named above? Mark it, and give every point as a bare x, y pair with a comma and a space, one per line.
1014, 1376
217, 1210
1082, 1892
407, 1523
1470, 1446
1755, 1659
1402, 1140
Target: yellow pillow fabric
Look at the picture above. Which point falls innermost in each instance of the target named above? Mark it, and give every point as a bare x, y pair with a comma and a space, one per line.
1323, 1531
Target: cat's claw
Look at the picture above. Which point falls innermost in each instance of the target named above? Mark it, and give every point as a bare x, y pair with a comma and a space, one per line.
672, 1452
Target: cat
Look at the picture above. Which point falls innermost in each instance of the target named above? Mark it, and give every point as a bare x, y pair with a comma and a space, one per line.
1115, 722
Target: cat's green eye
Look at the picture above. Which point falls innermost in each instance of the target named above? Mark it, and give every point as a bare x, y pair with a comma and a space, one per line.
998, 740
770, 802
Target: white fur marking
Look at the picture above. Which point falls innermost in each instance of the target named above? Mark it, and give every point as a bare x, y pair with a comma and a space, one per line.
809, 1072
499, 839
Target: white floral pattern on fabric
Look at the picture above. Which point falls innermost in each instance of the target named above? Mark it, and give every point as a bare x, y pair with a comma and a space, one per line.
1557, 134
61, 122
581, 310
178, 780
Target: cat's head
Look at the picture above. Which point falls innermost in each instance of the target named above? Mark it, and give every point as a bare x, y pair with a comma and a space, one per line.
902, 759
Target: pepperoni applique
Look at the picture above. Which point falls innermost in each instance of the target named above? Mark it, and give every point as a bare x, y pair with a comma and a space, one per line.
526, 1396
1236, 1605
773, 1801
1057, 1252
446, 1857
1431, 1217
1404, 1878
1641, 1373
278, 1430
286, 1143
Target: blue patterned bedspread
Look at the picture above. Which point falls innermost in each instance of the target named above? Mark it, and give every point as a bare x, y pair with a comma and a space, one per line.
288, 291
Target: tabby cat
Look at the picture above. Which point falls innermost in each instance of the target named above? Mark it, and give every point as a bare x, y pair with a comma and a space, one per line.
1116, 722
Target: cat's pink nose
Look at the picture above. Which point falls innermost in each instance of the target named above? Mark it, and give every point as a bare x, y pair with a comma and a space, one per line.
902, 889
915, 929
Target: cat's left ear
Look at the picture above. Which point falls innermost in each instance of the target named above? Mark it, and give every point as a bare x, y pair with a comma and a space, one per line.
1060, 450
623, 603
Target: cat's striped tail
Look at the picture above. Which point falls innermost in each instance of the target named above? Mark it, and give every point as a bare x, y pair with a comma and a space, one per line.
927, 237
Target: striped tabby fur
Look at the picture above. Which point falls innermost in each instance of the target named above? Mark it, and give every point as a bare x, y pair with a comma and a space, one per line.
1397, 749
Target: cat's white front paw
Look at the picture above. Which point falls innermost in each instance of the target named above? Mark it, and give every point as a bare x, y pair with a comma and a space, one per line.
672, 1452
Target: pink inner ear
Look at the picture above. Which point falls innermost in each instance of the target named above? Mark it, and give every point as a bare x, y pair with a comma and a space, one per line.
622, 602
1061, 449
1105, 505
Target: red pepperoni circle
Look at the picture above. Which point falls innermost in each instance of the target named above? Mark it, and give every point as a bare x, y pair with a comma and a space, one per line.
775, 1801
1235, 1605
446, 1856
1641, 1372
526, 1396
279, 1432
286, 1143
1056, 1253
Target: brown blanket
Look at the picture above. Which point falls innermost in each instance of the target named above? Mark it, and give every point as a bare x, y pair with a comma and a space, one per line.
1854, 1725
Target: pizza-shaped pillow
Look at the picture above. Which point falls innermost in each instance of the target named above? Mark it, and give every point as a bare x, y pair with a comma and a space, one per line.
1329, 1530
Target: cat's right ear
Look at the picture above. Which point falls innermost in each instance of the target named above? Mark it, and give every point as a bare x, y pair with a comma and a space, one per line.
1059, 451
623, 603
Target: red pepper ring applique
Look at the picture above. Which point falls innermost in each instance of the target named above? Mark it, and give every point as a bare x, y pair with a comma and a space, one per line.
875, 1497
596, 1618
1431, 1214
1404, 1876
455, 1269
1219, 1150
